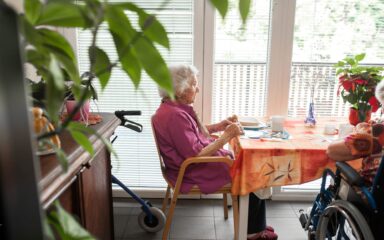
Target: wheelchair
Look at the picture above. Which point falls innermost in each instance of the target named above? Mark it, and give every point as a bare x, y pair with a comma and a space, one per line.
346, 208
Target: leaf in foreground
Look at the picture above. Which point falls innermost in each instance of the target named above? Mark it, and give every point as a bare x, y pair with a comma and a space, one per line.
67, 226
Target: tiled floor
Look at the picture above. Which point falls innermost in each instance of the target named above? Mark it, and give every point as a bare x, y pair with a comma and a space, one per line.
204, 219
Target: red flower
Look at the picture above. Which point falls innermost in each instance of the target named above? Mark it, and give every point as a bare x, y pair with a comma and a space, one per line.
341, 79
374, 103
347, 85
361, 81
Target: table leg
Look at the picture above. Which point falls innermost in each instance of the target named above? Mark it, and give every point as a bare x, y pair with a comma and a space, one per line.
243, 217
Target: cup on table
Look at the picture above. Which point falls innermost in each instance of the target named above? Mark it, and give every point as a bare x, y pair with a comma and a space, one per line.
345, 129
277, 123
330, 129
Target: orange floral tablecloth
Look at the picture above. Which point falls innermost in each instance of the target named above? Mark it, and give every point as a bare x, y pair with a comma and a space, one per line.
301, 159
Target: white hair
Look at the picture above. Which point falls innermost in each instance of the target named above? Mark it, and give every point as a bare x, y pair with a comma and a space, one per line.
181, 75
379, 92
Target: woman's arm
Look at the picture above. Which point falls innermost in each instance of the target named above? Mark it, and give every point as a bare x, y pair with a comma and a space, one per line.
339, 151
354, 146
231, 131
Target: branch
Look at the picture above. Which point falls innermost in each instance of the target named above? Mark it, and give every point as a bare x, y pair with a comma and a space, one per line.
101, 71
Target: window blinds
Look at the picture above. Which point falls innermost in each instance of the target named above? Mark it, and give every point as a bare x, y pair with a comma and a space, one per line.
240, 84
138, 163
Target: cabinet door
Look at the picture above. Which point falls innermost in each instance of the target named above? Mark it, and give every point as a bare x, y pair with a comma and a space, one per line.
71, 202
97, 197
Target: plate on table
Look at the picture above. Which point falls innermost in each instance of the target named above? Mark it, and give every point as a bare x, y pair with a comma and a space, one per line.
255, 127
249, 121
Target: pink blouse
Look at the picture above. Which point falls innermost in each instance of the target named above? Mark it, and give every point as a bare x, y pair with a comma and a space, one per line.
179, 138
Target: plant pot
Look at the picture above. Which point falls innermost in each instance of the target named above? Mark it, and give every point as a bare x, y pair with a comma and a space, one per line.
358, 116
82, 114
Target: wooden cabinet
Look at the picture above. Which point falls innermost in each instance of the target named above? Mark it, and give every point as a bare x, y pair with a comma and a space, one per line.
85, 189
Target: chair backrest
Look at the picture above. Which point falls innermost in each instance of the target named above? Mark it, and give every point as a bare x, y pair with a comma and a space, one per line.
162, 164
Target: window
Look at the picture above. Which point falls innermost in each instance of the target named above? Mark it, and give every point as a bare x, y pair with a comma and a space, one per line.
138, 164
268, 68
325, 32
240, 62
299, 42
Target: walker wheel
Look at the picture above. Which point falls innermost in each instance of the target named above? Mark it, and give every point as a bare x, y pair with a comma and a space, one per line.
311, 234
157, 223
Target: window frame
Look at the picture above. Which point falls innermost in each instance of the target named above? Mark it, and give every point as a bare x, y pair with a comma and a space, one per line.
279, 68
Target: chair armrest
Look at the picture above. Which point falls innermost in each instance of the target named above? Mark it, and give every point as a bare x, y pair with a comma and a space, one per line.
193, 160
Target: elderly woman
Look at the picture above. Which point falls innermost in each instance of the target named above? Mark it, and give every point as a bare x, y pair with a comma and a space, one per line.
180, 135
367, 141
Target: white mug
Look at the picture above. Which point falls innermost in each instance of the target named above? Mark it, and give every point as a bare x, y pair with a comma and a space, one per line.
330, 129
345, 129
277, 123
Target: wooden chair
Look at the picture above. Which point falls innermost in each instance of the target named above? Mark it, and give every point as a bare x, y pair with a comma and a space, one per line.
173, 190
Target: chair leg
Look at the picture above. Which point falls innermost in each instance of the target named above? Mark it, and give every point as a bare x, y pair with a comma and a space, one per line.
225, 205
235, 207
166, 199
170, 215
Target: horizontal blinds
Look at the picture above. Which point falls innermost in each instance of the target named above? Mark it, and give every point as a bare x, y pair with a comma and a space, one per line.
239, 83
138, 163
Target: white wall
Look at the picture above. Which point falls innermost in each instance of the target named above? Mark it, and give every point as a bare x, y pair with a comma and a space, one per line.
16, 4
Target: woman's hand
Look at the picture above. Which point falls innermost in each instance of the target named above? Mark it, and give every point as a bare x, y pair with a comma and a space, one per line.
232, 130
221, 126
233, 118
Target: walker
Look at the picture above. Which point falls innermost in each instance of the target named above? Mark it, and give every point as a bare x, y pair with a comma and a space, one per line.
151, 219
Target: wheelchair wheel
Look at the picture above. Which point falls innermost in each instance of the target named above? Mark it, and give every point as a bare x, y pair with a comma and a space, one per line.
342, 220
157, 223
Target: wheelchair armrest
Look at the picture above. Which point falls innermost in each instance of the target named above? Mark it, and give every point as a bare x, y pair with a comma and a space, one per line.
352, 177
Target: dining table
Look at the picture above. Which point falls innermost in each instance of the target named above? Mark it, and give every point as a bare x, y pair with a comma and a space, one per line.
296, 158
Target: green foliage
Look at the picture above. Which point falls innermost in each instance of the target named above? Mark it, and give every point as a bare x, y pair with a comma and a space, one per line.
33, 10
221, 6
55, 88
78, 127
66, 226
151, 27
136, 50
99, 60
244, 6
63, 14
123, 35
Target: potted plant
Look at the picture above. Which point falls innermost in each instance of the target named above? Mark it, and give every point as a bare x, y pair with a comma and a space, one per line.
357, 85
70, 102
38, 94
